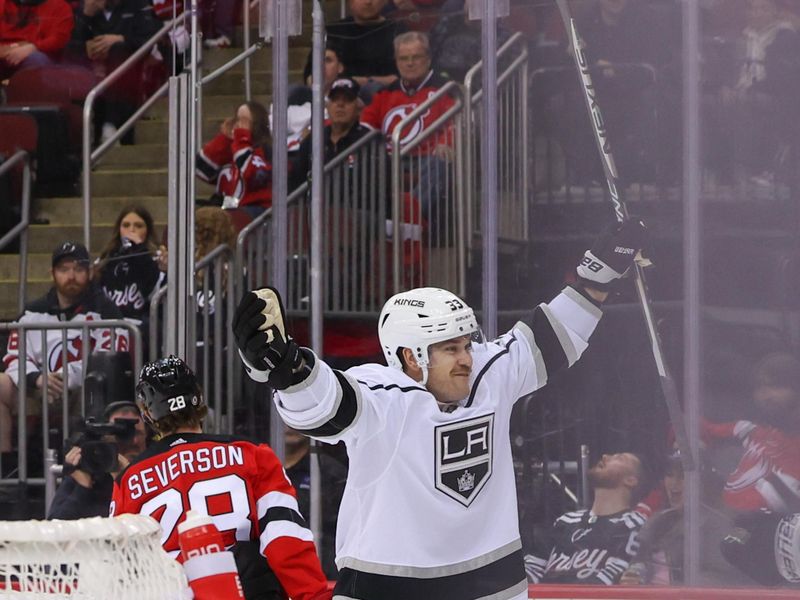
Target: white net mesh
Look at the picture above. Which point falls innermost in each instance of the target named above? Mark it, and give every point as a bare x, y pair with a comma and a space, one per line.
117, 558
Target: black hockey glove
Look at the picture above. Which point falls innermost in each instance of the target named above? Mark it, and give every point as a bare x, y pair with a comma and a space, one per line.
751, 547
611, 255
268, 353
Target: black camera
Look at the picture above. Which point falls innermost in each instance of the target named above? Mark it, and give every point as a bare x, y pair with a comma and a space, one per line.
100, 445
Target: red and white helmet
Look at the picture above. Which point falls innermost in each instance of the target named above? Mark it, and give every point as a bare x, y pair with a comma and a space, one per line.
418, 318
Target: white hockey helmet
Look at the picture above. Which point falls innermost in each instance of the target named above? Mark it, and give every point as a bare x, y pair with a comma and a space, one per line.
418, 318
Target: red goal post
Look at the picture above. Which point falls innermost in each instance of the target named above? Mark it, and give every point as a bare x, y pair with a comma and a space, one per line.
619, 592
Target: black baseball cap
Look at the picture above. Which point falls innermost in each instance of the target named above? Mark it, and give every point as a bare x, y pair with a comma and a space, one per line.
344, 85
72, 250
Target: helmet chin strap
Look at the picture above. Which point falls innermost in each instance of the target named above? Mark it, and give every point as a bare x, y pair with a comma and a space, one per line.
424, 374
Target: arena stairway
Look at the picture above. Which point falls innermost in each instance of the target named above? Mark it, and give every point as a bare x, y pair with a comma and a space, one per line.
137, 173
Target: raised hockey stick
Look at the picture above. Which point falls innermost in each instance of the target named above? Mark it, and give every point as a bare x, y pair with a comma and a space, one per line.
668, 387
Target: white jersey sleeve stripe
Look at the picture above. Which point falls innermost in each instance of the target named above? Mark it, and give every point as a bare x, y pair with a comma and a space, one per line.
277, 529
276, 500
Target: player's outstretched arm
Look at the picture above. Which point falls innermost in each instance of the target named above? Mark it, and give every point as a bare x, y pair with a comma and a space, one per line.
269, 354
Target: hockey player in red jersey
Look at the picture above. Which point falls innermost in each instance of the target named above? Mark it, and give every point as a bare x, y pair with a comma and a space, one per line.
429, 510
239, 484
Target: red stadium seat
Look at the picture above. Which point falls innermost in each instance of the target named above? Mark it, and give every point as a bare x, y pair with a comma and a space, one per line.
62, 86
18, 132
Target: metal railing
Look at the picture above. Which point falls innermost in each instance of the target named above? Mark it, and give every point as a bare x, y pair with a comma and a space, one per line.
354, 238
512, 103
20, 230
428, 186
111, 338
90, 157
213, 337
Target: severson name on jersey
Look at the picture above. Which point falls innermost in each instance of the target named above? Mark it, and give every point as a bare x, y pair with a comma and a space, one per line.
195, 460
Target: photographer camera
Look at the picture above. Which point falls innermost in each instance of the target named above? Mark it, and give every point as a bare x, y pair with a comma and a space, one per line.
100, 452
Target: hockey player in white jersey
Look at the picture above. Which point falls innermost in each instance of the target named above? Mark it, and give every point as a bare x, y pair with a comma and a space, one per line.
429, 511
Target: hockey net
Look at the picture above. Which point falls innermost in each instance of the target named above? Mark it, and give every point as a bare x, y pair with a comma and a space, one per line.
116, 558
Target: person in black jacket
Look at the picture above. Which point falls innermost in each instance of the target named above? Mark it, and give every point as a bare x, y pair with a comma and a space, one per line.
127, 269
343, 130
106, 33
82, 494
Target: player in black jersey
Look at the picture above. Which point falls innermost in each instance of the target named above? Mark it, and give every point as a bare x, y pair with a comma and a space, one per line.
595, 546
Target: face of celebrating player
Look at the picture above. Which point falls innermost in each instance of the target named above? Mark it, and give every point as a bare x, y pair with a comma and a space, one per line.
133, 227
614, 470
449, 368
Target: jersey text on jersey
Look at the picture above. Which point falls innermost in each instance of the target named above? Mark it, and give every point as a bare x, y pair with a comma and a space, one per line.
195, 460
464, 457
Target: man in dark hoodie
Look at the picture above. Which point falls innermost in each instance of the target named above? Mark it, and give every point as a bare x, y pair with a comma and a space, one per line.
106, 33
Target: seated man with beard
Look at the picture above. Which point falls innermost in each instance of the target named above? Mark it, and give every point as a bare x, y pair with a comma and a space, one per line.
596, 546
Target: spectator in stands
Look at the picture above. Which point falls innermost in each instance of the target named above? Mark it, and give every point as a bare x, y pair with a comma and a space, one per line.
659, 559
83, 494
237, 160
595, 546
344, 108
768, 473
106, 33
417, 83
419, 15
364, 40
334, 476
219, 23
127, 269
760, 99
32, 33
72, 298
300, 97
623, 39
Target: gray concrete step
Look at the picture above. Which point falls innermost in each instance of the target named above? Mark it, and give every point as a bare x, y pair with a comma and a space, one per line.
127, 182
43, 238
261, 60
104, 209
138, 155
217, 107
8, 295
38, 266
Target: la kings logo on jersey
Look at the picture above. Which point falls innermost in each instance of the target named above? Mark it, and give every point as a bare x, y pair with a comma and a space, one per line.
464, 457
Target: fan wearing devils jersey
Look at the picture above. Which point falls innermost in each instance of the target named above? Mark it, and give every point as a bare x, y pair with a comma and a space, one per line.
239, 484
768, 473
237, 160
428, 161
53, 358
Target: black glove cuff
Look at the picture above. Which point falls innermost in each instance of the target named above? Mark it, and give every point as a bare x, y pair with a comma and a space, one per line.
581, 285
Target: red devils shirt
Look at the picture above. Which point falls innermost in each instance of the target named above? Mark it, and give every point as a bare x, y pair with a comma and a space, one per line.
240, 485
239, 169
768, 474
395, 103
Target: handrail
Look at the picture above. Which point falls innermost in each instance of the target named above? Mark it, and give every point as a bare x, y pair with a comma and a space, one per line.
473, 97
243, 55
21, 229
89, 157
64, 326
398, 153
295, 196
468, 78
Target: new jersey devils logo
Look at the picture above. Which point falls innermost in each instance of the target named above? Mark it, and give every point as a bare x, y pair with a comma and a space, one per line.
394, 117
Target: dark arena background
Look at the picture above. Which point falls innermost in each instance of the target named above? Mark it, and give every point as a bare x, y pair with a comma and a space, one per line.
684, 114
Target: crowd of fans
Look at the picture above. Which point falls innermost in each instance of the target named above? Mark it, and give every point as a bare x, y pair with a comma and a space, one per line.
381, 62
